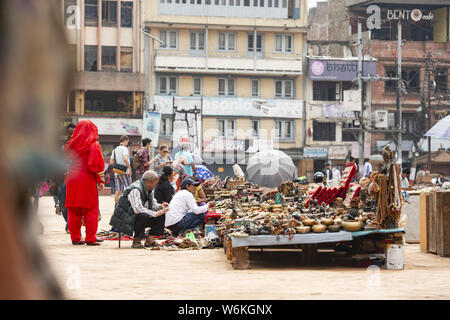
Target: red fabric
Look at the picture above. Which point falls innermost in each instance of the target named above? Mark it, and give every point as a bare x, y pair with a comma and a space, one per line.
87, 160
144, 158
74, 216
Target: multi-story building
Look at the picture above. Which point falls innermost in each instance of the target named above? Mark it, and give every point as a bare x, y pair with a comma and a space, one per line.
240, 64
106, 41
332, 95
425, 34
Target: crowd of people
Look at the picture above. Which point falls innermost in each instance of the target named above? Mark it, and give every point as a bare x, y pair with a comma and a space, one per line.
167, 197
154, 194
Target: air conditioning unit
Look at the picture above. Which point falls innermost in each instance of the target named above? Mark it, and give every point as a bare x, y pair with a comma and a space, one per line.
379, 119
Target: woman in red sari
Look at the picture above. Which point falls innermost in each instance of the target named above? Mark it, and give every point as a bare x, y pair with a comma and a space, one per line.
85, 173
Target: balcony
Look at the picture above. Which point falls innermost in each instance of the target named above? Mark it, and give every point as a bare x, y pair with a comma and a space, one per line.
230, 63
284, 9
110, 81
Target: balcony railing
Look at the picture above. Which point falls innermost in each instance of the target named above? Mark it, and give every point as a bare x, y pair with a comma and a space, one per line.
237, 62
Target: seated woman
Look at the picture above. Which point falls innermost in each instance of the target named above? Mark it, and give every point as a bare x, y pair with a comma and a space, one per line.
164, 190
199, 196
184, 213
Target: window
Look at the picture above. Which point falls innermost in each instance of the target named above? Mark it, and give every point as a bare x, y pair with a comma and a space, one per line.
410, 77
91, 13
284, 129
166, 126
330, 90
170, 39
90, 58
197, 86
255, 88
126, 59
324, 131
284, 89
115, 102
259, 43
226, 87
348, 136
441, 79
167, 85
246, 3
71, 102
126, 14
226, 127
109, 13
109, 58
227, 41
255, 128
324, 90
283, 43
197, 40
276, 3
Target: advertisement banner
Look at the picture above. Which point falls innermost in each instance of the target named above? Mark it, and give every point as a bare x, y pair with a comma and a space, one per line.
151, 126
262, 108
116, 126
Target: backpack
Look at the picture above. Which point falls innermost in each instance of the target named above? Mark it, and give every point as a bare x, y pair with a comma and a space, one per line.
136, 163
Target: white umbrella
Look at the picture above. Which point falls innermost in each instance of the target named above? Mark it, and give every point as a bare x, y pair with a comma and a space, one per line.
270, 168
440, 130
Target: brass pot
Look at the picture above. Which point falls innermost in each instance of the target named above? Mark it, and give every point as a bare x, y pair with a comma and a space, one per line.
319, 228
352, 226
265, 206
326, 221
303, 229
334, 228
308, 222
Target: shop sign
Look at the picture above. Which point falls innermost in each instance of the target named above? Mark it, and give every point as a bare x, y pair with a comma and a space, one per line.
339, 70
405, 14
223, 145
317, 153
337, 152
117, 126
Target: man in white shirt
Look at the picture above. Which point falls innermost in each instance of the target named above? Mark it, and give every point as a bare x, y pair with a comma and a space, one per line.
184, 213
404, 183
367, 169
238, 171
121, 156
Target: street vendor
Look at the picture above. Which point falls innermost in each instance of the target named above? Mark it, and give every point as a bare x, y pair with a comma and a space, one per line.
184, 213
137, 210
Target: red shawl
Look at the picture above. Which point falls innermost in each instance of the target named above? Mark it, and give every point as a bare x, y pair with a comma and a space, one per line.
87, 161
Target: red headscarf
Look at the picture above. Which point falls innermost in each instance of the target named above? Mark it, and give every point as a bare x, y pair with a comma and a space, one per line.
83, 137
84, 140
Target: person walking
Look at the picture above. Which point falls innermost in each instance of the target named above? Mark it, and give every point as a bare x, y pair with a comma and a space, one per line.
122, 169
164, 190
141, 161
84, 177
162, 160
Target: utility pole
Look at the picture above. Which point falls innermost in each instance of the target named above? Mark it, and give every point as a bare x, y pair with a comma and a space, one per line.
361, 137
429, 107
399, 92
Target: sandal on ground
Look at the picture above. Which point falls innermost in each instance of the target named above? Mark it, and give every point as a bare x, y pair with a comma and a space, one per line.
92, 243
78, 243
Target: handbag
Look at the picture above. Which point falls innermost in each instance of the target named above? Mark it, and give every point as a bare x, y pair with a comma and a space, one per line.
119, 168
